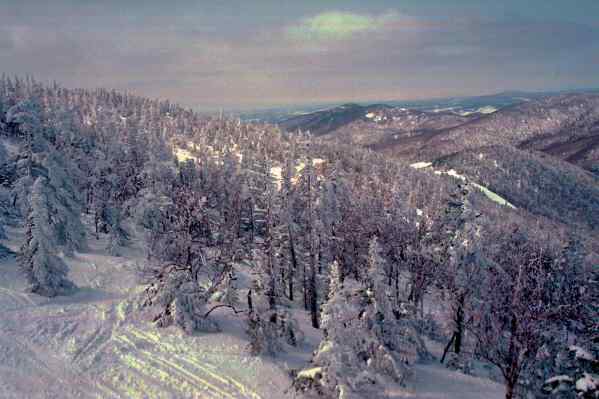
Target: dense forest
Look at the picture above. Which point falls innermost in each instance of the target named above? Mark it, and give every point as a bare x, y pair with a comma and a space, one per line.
362, 242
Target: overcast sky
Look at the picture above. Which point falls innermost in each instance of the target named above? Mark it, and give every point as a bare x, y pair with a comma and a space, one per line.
244, 53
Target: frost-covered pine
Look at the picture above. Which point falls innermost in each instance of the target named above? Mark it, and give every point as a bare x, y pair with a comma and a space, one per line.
272, 331
335, 278
396, 329
27, 115
174, 297
3, 199
66, 199
353, 360
117, 235
45, 272
230, 295
271, 328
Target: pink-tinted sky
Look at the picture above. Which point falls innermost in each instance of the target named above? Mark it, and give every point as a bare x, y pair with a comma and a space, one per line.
244, 54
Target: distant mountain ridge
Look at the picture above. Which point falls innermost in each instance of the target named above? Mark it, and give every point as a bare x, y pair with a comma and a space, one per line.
563, 125
540, 154
458, 104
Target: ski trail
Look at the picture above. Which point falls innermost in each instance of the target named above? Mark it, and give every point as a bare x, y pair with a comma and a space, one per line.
52, 369
111, 318
20, 299
153, 365
172, 351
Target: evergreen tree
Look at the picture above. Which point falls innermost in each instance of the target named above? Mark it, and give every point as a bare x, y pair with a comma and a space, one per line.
66, 199
45, 272
353, 360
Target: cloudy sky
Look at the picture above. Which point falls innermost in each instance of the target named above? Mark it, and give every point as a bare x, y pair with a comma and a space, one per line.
244, 53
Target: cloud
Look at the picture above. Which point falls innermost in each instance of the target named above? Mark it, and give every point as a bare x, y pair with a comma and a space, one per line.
265, 57
336, 25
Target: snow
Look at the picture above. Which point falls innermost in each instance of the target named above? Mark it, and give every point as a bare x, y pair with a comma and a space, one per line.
93, 345
453, 173
494, 196
581, 353
432, 380
184, 155
486, 110
587, 383
277, 174
310, 373
558, 379
421, 165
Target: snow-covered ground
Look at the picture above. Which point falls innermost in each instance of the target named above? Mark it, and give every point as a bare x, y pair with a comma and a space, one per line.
94, 344
91, 344
434, 381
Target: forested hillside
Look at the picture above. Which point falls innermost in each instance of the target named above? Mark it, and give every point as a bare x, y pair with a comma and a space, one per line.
564, 125
534, 181
385, 261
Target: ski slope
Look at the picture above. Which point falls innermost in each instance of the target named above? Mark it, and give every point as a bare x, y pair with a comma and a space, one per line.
92, 344
95, 344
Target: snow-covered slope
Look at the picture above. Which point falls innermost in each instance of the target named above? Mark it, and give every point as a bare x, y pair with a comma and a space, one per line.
89, 345
92, 345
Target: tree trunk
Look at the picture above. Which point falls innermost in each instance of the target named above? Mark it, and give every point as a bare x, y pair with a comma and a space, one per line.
96, 219
305, 285
459, 327
397, 285
313, 298
314, 306
512, 372
447, 348
252, 221
293, 264
250, 304
509, 389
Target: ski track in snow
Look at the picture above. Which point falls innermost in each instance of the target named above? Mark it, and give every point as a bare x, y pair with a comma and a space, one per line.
88, 345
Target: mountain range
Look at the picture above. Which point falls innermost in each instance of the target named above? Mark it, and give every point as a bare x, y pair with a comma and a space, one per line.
539, 152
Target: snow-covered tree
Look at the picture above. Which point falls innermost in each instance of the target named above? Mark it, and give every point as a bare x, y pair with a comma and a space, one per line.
45, 272
355, 358
117, 235
66, 199
524, 306
272, 331
4, 201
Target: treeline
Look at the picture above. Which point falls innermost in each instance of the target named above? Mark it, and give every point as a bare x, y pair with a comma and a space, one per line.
362, 243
